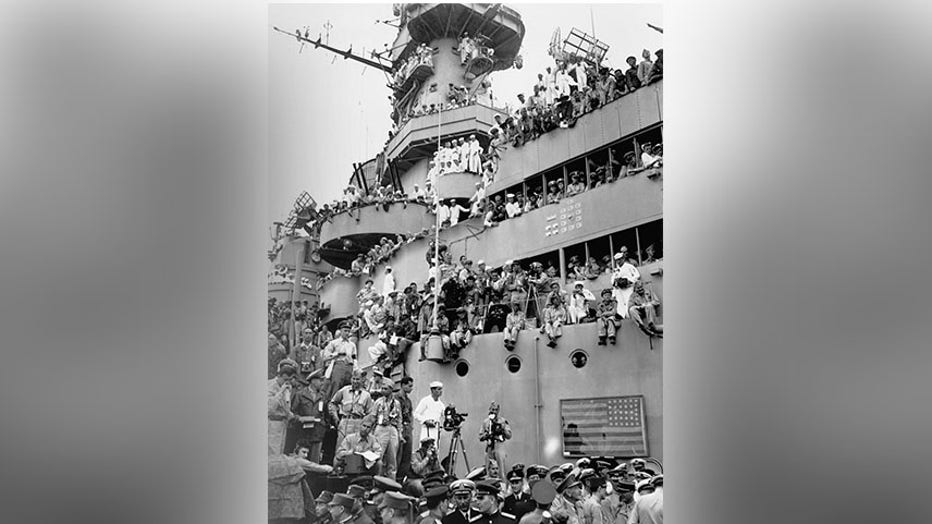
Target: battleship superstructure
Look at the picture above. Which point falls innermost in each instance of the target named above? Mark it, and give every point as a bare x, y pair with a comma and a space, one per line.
530, 381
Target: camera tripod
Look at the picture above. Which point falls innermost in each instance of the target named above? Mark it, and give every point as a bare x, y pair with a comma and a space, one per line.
456, 446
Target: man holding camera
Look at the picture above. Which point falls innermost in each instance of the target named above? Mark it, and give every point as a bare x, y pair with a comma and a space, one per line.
387, 411
279, 400
407, 410
494, 430
309, 408
425, 461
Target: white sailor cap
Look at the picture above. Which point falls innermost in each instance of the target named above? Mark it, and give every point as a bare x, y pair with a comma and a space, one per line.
462, 485
619, 255
436, 384
510, 195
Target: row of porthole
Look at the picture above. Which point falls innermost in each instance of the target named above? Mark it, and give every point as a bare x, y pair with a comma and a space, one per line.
578, 358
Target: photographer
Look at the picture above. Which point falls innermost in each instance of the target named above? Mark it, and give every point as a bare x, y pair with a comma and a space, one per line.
425, 461
624, 276
279, 404
494, 430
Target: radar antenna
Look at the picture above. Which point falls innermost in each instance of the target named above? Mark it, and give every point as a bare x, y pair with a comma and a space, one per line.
303, 212
345, 54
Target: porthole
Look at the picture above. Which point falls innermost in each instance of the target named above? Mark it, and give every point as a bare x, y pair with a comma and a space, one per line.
462, 368
513, 364
579, 358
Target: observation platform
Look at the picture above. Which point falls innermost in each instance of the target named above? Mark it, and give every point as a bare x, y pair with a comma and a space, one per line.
500, 25
415, 74
417, 138
357, 230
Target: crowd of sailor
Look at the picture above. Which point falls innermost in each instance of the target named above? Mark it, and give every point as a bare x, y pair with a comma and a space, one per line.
457, 97
423, 55
364, 263
470, 48
569, 89
573, 81
380, 197
379, 470
287, 321
460, 155
479, 300
502, 206
474, 299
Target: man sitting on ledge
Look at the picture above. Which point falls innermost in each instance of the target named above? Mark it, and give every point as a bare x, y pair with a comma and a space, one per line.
643, 309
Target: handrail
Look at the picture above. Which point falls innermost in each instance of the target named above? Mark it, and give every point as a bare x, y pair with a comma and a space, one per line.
357, 207
404, 130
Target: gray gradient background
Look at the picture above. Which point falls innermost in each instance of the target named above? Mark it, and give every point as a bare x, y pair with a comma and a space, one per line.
132, 279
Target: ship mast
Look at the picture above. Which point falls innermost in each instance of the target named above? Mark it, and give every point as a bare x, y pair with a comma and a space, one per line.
345, 54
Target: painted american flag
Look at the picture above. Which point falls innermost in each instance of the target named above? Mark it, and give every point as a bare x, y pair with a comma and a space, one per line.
610, 426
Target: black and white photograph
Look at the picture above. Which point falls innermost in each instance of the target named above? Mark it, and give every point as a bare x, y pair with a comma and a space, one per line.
465, 285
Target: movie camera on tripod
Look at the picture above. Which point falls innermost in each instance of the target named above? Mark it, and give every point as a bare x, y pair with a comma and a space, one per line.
451, 419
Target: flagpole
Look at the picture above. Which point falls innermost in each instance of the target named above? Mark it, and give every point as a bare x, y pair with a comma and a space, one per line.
434, 326
592, 20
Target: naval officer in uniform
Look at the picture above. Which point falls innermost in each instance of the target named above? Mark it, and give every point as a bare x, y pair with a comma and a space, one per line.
436, 499
519, 502
341, 508
543, 494
462, 492
487, 507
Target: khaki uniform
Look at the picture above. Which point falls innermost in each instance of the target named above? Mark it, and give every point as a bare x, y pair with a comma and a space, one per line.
351, 406
591, 511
